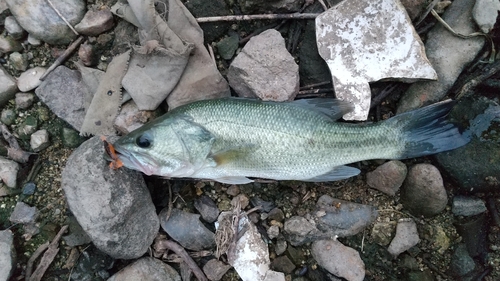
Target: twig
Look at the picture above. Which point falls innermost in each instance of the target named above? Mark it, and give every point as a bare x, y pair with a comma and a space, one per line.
323, 4
71, 48
170, 202
14, 151
48, 256
32, 259
310, 86
316, 91
298, 16
487, 72
62, 17
212, 55
167, 244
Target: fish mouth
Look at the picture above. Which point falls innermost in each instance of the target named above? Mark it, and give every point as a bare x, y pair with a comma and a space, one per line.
130, 161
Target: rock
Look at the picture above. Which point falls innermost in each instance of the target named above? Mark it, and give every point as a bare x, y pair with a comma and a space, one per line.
95, 22
228, 46
187, 229
296, 255
215, 269
39, 140
92, 265
362, 42
13, 28
273, 231
447, 53
461, 262
338, 259
23, 213
71, 138
254, 6
28, 127
147, 269
18, 61
29, 188
383, 232
265, 69
476, 166
405, 238
8, 116
87, 54
7, 254
342, 218
312, 68
53, 91
8, 87
131, 118
280, 247
8, 172
77, 236
240, 199
233, 190
34, 41
485, 13
283, 264
24, 100
114, 207
388, 177
439, 239
423, 192
207, 208
467, 206
298, 230
276, 214
30, 79
9, 44
42, 21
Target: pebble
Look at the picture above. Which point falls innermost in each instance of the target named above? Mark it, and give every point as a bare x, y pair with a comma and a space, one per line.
95, 22
388, 177
447, 53
18, 61
8, 116
39, 140
34, 41
265, 69
147, 269
228, 46
13, 28
296, 255
423, 192
23, 213
276, 214
187, 230
7, 254
342, 218
298, 230
280, 247
242, 199
467, 206
233, 190
283, 264
214, 269
113, 206
207, 208
339, 260
9, 44
41, 21
77, 236
383, 232
30, 79
87, 54
273, 231
28, 127
485, 13
24, 100
8, 86
8, 172
461, 262
29, 188
405, 238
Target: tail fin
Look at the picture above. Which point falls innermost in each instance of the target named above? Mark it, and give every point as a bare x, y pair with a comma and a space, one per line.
427, 131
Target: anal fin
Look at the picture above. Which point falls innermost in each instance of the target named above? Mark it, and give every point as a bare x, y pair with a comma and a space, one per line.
338, 173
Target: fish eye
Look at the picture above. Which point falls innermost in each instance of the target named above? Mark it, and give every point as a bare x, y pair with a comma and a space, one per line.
144, 141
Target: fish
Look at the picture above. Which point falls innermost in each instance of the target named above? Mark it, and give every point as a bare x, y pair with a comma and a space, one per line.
234, 140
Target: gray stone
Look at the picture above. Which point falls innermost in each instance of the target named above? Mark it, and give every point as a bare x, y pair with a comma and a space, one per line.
207, 208
13, 28
283, 264
388, 177
273, 231
467, 206
8, 171
265, 69
147, 269
298, 230
187, 229
448, 54
42, 21
423, 192
405, 238
77, 236
338, 259
461, 262
24, 100
364, 41
30, 79
114, 207
34, 41
39, 140
23, 213
280, 246
54, 90
95, 22
276, 214
263, 6
485, 13
8, 116
383, 232
8, 86
215, 269
18, 61
228, 46
9, 44
7, 254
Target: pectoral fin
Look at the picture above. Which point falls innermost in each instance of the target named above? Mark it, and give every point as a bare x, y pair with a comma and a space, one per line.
238, 153
338, 173
234, 180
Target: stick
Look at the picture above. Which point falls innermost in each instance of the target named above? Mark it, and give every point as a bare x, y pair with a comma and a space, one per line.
185, 256
48, 256
304, 16
62, 17
63, 57
487, 72
14, 151
36, 254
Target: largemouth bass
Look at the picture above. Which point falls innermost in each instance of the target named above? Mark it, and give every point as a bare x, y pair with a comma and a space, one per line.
231, 140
